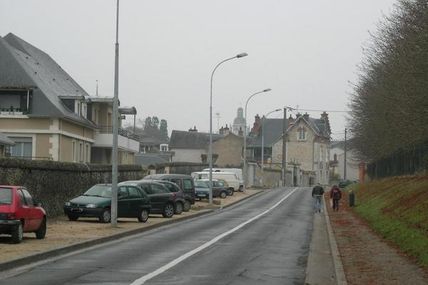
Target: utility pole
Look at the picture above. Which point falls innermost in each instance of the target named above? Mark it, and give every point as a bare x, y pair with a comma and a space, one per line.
344, 158
284, 147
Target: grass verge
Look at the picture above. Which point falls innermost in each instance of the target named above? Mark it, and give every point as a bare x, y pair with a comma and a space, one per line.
397, 208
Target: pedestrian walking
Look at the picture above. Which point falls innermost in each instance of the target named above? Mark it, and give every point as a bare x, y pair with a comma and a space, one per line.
336, 195
317, 194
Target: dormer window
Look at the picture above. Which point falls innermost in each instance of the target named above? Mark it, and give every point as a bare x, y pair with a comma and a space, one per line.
301, 134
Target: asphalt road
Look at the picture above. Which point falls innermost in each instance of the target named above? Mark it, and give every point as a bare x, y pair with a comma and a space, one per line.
264, 240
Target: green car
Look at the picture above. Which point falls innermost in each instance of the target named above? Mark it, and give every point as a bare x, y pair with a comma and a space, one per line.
96, 203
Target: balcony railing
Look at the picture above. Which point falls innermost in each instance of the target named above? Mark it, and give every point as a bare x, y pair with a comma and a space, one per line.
122, 132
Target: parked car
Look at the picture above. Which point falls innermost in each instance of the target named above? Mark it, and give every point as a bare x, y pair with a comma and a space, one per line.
185, 182
345, 183
162, 200
179, 195
202, 189
237, 171
230, 177
19, 213
96, 203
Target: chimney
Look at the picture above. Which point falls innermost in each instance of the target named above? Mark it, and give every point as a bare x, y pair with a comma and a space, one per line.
290, 120
306, 116
256, 126
193, 130
324, 117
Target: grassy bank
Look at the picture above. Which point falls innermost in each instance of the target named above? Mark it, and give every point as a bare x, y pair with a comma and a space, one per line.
397, 208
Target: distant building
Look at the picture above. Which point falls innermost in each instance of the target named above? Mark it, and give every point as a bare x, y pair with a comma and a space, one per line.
239, 123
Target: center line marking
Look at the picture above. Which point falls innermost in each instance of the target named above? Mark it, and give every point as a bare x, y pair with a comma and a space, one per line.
176, 261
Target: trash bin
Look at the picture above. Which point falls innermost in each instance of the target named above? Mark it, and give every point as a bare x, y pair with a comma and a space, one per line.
351, 198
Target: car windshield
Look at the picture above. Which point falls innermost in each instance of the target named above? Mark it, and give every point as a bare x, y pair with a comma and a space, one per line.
201, 184
5, 196
99, 191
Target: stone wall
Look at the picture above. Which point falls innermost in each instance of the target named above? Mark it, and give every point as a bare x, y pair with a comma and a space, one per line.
53, 183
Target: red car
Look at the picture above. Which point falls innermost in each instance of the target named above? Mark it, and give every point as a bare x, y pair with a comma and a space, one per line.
19, 213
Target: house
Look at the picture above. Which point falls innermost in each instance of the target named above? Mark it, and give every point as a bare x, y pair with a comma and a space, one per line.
307, 146
46, 113
192, 146
337, 162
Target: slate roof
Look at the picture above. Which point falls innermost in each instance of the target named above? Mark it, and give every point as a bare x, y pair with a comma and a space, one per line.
273, 129
272, 133
24, 66
191, 140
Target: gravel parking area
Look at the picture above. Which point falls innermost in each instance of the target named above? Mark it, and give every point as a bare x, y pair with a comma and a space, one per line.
62, 232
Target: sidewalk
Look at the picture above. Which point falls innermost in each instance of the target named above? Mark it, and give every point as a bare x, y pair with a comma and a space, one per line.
366, 257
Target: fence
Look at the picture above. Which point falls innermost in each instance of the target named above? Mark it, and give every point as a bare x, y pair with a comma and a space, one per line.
401, 162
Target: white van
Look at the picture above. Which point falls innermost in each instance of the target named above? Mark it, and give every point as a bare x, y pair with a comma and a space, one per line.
237, 171
230, 177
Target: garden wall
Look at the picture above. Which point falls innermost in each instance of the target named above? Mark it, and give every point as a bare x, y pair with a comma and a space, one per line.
53, 183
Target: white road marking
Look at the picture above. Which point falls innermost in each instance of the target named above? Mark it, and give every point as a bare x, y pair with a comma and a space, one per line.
176, 261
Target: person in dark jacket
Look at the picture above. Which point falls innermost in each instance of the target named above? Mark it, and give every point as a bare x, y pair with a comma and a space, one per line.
336, 195
317, 193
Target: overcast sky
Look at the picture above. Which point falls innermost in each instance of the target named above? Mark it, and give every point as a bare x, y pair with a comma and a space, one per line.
306, 51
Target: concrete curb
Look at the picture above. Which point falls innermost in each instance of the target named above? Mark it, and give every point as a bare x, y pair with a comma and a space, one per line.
337, 261
22, 261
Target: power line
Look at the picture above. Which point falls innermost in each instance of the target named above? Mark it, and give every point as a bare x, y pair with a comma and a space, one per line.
313, 110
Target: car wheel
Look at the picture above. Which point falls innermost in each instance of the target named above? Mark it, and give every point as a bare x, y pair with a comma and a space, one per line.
41, 232
187, 205
232, 191
17, 233
72, 217
105, 216
168, 211
143, 216
223, 194
241, 188
178, 208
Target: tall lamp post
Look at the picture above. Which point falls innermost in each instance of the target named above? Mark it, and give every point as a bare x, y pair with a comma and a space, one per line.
113, 216
263, 140
245, 133
210, 149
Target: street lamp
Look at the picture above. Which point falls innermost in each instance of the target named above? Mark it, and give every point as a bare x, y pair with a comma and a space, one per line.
245, 133
263, 140
113, 213
210, 149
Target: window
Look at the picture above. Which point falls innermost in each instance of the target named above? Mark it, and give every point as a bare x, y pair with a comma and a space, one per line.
5, 196
188, 185
87, 153
73, 151
23, 147
178, 182
28, 198
122, 192
80, 152
158, 189
301, 134
133, 192
146, 188
163, 147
